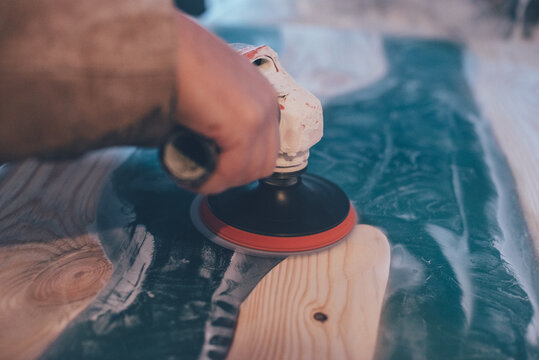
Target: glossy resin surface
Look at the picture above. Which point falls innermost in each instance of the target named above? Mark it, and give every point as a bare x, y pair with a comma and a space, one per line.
417, 158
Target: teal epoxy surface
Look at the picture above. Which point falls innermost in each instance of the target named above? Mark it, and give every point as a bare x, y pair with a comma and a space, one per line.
417, 160
173, 302
167, 318
408, 152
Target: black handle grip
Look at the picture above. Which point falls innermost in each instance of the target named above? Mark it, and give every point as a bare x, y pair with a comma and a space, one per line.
188, 157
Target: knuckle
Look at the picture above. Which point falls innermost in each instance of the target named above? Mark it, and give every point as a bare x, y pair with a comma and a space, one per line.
232, 174
257, 112
268, 170
252, 115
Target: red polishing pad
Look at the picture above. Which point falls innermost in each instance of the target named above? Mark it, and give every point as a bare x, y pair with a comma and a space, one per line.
314, 215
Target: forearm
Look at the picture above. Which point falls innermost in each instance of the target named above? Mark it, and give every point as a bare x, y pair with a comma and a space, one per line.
76, 76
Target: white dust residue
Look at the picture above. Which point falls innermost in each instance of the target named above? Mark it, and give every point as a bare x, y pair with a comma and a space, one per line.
207, 256
406, 272
242, 275
456, 248
126, 282
514, 245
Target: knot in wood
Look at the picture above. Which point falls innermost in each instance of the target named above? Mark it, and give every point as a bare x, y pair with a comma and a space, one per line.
320, 316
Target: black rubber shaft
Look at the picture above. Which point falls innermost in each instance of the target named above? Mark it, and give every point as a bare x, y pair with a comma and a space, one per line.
307, 206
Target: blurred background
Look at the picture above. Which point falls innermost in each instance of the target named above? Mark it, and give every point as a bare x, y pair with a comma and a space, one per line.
490, 18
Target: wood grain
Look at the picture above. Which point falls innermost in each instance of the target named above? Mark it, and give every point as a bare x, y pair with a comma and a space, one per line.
44, 286
321, 306
51, 262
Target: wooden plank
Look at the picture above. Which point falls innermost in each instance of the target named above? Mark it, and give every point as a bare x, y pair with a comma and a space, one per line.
51, 262
321, 306
44, 286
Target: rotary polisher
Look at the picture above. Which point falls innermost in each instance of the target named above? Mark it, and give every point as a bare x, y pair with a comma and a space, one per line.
291, 212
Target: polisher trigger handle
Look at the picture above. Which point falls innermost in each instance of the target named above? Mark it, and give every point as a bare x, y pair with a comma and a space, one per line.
189, 157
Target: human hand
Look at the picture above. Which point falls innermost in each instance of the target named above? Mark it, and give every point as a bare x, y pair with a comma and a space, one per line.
223, 96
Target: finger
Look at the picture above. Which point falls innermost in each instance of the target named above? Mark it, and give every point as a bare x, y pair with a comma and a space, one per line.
264, 162
230, 171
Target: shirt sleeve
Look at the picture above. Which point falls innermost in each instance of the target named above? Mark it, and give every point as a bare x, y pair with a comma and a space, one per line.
78, 75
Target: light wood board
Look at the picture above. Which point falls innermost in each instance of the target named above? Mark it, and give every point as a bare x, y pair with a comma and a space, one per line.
51, 263
44, 286
325, 305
